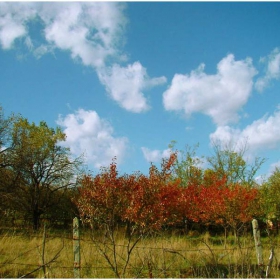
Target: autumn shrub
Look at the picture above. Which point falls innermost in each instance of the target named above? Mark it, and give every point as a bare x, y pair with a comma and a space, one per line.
148, 203
143, 203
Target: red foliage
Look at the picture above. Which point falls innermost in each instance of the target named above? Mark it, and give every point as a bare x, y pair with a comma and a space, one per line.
149, 202
153, 198
145, 201
220, 203
102, 198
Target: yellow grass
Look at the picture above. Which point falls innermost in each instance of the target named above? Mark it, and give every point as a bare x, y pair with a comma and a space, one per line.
158, 257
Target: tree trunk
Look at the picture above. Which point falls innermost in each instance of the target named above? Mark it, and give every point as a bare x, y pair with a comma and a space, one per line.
235, 235
186, 227
128, 230
225, 237
36, 218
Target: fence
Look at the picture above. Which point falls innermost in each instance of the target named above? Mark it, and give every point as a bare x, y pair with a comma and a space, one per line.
74, 255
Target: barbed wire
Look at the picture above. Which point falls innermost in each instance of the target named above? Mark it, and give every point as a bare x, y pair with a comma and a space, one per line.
87, 265
93, 242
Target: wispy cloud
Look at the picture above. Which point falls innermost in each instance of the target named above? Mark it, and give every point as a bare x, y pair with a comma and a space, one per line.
155, 156
126, 85
272, 62
219, 96
89, 134
273, 167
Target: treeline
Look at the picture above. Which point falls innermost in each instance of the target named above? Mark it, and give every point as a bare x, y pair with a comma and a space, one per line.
40, 179
162, 199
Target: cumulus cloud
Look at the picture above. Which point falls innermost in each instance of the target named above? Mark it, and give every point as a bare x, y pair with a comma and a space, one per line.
12, 22
272, 70
155, 155
219, 96
89, 134
89, 30
126, 85
9, 32
262, 134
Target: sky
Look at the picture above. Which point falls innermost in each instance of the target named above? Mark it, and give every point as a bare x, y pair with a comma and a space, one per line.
125, 79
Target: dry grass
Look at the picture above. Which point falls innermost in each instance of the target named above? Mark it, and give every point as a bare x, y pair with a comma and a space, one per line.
157, 257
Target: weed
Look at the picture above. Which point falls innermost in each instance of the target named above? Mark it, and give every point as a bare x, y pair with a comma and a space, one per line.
162, 256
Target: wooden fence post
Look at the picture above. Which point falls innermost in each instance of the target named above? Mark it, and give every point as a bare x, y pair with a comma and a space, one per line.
76, 248
270, 260
257, 238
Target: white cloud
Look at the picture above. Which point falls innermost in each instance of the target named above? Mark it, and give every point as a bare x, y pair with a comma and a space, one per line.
273, 167
91, 31
9, 32
155, 155
42, 50
29, 43
126, 85
219, 96
12, 22
272, 70
88, 133
261, 134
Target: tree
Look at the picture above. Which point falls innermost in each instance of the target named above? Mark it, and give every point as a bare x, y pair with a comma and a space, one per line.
6, 174
102, 202
102, 199
270, 197
41, 167
143, 203
5, 136
230, 206
241, 206
187, 166
62, 210
229, 162
154, 198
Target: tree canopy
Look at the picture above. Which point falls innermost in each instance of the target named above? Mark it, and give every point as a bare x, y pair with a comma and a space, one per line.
39, 166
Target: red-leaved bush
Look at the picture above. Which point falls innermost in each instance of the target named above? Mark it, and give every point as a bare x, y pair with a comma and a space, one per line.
147, 202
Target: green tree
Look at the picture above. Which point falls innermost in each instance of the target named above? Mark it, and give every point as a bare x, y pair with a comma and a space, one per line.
270, 197
62, 210
6, 124
229, 162
41, 166
6, 174
187, 166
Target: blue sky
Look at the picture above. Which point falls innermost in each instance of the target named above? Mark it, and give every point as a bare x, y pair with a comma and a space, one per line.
125, 79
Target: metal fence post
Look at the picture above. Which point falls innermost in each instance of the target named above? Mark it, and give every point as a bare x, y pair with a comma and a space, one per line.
76, 247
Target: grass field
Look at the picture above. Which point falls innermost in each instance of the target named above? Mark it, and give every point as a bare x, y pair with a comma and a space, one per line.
164, 256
